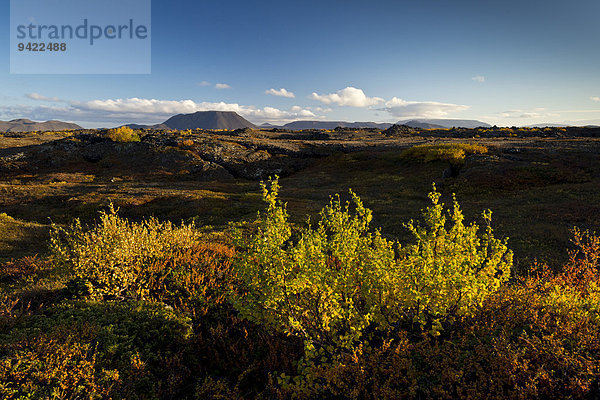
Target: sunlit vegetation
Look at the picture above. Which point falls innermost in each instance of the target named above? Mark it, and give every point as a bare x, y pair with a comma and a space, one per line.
124, 134
452, 152
330, 308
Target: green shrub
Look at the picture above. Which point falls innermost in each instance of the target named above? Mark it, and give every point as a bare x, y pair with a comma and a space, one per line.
535, 338
123, 134
453, 153
452, 268
323, 286
338, 281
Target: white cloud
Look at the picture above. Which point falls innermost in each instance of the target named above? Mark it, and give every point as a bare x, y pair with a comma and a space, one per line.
349, 96
39, 97
204, 83
595, 98
478, 78
147, 111
272, 114
222, 86
421, 109
302, 112
281, 93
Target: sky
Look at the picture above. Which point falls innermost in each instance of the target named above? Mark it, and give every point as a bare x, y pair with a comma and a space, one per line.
502, 62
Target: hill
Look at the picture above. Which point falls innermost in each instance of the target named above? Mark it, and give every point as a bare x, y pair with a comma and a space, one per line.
208, 120
422, 125
27, 125
443, 123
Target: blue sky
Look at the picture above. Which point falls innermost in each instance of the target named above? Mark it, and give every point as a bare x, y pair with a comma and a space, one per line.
505, 63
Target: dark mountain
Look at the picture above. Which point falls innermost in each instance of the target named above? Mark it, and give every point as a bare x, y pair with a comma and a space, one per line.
299, 125
26, 125
208, 120
443, 123
422, 125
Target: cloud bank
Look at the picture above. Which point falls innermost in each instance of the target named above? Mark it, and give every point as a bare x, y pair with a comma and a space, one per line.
421, 109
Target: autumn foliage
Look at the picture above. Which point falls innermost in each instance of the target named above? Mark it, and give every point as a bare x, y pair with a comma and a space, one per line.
329, 309
123, 134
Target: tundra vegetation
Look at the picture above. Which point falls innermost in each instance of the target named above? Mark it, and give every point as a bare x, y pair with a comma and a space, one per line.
123, 134
270, 308
134, 265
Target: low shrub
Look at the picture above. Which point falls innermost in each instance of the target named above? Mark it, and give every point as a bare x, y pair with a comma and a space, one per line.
453, 153
123, 134
536, 338
110, 260
96, 350
54, 366
23, 267
339, 286
196, 279
451, 268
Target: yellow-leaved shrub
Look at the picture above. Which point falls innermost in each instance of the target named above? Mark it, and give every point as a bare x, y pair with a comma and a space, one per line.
111, 258
451, 268
123, 134
338, 283
454, 153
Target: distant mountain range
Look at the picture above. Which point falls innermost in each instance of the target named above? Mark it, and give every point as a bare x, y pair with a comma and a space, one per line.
443, 123
547, 125
230, 120
26, 125
299, 125
413, 123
